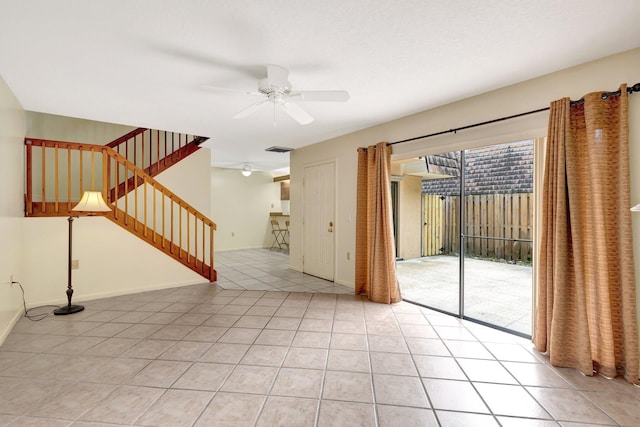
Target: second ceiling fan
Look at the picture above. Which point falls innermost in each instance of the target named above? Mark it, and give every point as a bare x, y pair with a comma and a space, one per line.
275, 89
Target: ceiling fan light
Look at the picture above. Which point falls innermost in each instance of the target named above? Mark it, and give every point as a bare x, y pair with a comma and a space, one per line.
276, 90
246, 170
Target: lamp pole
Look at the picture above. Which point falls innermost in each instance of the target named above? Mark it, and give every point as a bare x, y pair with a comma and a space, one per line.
69, 308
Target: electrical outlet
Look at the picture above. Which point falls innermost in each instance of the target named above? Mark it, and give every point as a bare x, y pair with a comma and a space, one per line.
75, 264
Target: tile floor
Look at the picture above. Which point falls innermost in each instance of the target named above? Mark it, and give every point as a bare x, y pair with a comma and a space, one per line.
210, 355
267, 270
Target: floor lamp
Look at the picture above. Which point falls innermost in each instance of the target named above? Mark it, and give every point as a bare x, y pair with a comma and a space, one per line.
91, 204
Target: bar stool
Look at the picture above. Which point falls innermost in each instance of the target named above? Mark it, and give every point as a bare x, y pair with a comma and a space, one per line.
278, 235
286, 233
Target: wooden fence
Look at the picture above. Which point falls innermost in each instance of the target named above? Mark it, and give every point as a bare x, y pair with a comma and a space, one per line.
497, 226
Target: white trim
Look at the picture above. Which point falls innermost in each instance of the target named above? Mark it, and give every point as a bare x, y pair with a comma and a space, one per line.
90, 297
7, 330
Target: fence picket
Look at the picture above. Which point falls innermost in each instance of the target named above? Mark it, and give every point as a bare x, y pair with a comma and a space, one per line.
501, 216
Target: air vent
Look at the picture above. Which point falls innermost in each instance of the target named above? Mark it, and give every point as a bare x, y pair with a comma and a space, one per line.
276, 149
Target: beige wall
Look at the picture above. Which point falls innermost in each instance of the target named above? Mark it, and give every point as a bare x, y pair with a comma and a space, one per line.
410, 217
604, 74
191, 180
12, 132
240, 207
70, 129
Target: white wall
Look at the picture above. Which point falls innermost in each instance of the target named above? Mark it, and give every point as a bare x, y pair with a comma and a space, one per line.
112, 261
240, 207
604, 74
12, 132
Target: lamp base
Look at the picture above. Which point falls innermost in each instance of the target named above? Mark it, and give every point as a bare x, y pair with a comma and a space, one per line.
68, 309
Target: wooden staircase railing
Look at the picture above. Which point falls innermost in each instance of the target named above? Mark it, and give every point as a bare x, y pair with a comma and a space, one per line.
59, 172
154, 150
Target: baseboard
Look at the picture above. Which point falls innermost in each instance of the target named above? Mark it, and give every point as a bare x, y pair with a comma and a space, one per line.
345, 284
337, 282
78, 297
9, 327
240, 249
142, 289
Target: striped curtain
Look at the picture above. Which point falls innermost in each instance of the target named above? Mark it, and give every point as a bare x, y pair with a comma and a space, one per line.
586, 296
375, 245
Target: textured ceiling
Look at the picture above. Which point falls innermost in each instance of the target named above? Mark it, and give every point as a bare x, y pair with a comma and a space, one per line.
147, 62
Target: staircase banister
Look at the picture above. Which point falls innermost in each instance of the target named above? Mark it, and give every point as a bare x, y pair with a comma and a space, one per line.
124, 137
52, 143
142, 174
197, 253
122, 160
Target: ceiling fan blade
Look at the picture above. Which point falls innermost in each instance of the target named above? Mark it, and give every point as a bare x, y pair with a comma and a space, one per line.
277, 76
322, 95
297, 113
251, 109
230, 90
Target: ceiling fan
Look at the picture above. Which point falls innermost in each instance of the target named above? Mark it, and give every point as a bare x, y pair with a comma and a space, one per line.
275, 89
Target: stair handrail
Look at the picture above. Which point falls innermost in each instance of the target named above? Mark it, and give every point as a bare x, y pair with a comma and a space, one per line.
126, 136
113, 154
109, 155
140, 174
153, 152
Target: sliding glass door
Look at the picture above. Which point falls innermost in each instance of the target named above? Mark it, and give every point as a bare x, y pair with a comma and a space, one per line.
477, 242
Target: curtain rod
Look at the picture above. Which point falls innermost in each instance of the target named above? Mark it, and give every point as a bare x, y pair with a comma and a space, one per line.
605, 95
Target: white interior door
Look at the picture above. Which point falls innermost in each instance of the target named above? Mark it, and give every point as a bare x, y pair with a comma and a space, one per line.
319, 223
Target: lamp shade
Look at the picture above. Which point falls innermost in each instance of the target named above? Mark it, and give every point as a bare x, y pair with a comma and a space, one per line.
92, 202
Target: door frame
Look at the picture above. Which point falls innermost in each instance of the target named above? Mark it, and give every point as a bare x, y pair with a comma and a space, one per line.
395, 202
304, 207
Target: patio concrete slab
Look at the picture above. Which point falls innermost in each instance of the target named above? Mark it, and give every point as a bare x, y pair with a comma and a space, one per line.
495, 292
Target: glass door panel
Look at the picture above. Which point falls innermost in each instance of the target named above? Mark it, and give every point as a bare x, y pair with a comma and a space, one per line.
433, 280
497, 235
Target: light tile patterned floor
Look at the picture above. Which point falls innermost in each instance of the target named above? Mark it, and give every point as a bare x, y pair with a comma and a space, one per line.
203, 355
265, 270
